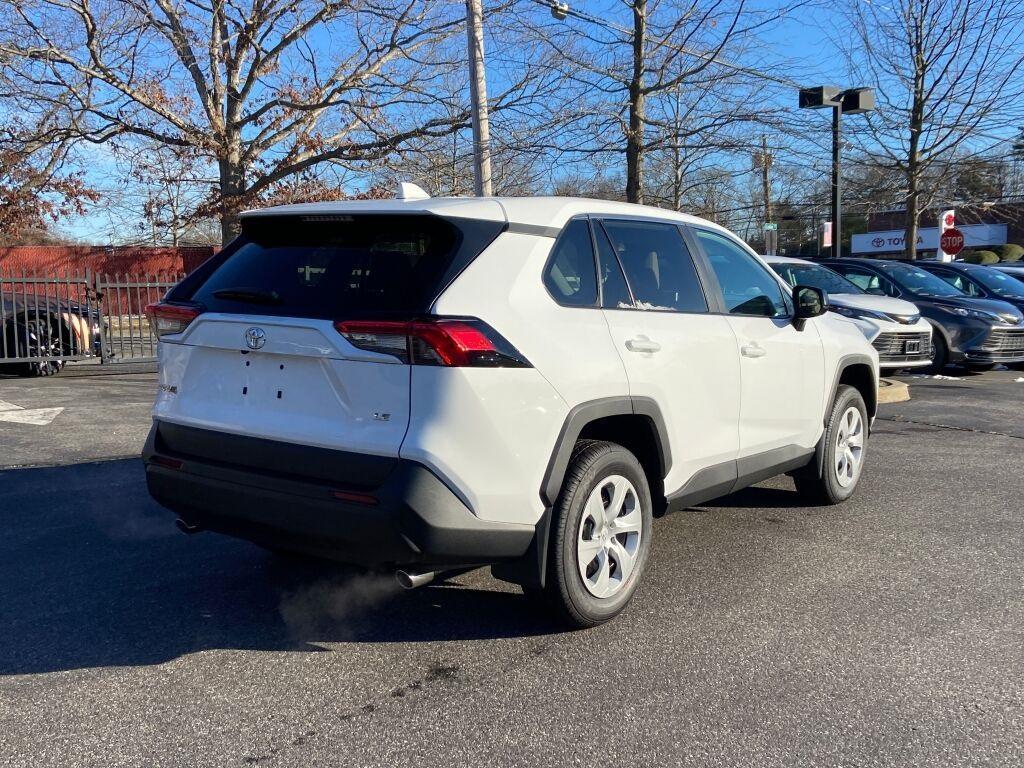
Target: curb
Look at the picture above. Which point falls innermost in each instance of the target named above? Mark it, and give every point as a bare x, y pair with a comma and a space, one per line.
892, 391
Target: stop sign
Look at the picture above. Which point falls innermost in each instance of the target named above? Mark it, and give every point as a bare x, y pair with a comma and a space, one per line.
952, 241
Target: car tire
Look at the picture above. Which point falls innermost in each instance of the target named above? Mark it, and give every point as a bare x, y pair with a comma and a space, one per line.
604, 509
45, 342
843, 450
940, 354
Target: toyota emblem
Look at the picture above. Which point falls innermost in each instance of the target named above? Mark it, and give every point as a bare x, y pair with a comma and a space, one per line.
255, 338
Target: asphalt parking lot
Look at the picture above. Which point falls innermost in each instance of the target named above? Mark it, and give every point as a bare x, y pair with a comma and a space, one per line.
888, 631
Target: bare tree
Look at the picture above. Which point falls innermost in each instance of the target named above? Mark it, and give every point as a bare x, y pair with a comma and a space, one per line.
661, 79
263, 90
944, 72
36, 185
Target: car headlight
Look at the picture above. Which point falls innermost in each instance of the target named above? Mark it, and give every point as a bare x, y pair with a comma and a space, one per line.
859, 314
977, 314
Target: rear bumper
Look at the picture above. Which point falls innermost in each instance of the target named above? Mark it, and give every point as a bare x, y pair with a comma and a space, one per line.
416, 520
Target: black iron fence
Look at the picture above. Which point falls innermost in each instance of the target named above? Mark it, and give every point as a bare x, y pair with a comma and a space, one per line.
49, 320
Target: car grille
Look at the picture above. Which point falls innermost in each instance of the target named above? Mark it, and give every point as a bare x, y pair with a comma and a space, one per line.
1005, 340
903, 347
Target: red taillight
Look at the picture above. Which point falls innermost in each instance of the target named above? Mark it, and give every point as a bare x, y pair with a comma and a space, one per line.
451, 342
166, 319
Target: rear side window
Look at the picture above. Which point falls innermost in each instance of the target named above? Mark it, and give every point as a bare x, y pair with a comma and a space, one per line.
657, 265
336, 267
570, 277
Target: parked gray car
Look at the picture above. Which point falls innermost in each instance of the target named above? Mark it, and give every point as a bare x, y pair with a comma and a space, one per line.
977, 333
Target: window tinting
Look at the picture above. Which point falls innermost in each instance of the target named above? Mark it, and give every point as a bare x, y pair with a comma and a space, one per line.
815, 276
570, 276
1000, 284
959, 282
337, 268
657, 265
918, 281
614, 292
747, 287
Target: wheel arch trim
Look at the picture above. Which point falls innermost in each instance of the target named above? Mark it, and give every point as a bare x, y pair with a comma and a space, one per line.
587, 413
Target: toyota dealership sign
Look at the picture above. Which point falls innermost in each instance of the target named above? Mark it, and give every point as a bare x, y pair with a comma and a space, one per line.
891, 241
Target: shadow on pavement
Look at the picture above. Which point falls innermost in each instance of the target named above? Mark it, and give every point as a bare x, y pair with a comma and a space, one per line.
757, 497
95, 574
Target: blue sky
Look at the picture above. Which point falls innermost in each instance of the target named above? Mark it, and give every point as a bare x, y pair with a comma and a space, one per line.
800, 47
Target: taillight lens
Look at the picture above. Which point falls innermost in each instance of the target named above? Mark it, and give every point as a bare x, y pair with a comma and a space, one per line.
167, 319
445, 341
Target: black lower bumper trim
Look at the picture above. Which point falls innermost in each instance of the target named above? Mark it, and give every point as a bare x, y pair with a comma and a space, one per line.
417, 520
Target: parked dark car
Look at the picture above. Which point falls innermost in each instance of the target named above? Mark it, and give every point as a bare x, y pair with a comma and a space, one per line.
1011, 268
979, 282
44, 330
977, 333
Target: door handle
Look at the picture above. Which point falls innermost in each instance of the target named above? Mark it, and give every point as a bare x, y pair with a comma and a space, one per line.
642, 344
753, 349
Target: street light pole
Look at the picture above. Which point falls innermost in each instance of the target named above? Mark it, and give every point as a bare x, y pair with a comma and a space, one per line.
478, 97
837, 181
851, 101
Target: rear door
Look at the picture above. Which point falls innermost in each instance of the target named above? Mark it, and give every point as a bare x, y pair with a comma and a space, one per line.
782, 367
675, 350
265, 356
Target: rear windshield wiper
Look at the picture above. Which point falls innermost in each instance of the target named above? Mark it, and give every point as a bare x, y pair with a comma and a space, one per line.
249, 295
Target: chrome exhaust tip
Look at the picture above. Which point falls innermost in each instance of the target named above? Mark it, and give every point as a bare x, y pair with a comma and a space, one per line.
413, 579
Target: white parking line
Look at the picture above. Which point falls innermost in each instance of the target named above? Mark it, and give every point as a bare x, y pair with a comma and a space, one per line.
39, 417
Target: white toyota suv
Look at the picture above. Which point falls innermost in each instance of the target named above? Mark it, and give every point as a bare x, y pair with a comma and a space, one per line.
433, 384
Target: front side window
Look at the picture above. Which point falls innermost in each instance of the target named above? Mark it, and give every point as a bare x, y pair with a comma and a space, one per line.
747, 287
570, 277
815, 276
917, 280
867, 281
960, 283
1000, 284
657, 264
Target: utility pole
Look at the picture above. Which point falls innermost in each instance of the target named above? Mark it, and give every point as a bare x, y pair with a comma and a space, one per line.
763, 160
766, 184
478, 96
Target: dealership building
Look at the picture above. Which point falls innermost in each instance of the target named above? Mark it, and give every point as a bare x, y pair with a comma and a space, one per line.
984, 227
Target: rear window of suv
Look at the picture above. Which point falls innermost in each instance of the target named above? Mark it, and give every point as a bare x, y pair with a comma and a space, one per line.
338, 266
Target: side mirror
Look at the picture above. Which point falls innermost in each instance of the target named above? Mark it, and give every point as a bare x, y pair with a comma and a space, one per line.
809, 302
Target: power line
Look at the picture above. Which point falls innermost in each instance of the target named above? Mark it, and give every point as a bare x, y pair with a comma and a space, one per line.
564, 10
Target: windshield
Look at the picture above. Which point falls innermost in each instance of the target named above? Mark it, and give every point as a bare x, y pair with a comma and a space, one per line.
999, 283
918, 281
815, 276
